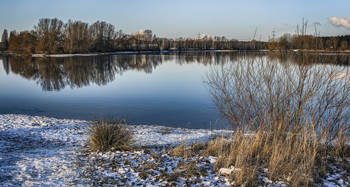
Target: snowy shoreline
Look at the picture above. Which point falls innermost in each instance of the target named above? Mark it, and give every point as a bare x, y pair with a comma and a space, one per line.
39, 150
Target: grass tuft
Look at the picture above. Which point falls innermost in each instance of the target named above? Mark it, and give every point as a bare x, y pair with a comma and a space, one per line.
109, 136
187, 151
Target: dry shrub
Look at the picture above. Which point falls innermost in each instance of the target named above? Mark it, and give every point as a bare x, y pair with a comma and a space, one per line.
197, 148
286, 97
299, 159
186, 151
336, 153
109, 135
287, 157
217, 145
179, 151
341, 148
294, 110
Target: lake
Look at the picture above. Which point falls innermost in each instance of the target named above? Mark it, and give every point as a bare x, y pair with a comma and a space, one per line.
162, 89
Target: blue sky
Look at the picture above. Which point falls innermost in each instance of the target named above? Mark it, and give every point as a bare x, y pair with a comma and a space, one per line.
175, 18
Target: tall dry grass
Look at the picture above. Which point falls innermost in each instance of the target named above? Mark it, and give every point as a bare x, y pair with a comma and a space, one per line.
109, 135
293, 158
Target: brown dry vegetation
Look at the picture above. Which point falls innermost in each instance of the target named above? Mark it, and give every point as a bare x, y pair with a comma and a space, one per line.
286, 157
282, 97
293, 113
109, 135
299, 160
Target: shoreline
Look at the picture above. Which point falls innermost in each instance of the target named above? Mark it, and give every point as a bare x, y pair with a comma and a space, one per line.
40, 150
295, 51
153, 130
127, 52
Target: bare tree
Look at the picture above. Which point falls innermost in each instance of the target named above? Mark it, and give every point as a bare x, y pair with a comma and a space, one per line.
103, 35
254, 93
302, 30
77, 38
50, 33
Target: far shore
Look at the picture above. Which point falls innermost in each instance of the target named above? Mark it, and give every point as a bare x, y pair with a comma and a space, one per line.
127, 52
175, 51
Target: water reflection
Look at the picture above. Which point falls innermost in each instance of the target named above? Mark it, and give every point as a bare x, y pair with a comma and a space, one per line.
163, 89
57, 73
54, 74
311, 58
6, 64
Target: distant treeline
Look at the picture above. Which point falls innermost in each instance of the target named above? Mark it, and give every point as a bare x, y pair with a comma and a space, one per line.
310, 42
53, 36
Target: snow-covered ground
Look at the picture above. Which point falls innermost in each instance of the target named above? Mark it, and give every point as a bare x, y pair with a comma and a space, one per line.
39, 150
52, 152
45, 151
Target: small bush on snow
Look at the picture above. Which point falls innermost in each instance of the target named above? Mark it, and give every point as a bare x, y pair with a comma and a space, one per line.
109, 136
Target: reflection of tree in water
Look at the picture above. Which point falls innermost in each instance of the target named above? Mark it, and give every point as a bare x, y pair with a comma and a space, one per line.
82, 71
57, 73
310, 58
49, 75
208, 58
75, 72
5, 64
140, 62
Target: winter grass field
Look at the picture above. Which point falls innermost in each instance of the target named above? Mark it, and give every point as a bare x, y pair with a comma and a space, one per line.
59, 152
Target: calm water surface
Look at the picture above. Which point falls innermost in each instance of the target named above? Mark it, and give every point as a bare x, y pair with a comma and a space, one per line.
161, 89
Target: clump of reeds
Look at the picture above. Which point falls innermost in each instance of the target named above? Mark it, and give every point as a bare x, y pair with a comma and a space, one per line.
109, 136
188, 150
283, 156
300, 159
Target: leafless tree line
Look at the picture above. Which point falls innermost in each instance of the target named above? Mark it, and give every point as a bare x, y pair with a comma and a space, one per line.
53, 36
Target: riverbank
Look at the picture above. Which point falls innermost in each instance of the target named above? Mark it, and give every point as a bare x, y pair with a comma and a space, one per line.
128, 52
346, 52
312, 51
38, 150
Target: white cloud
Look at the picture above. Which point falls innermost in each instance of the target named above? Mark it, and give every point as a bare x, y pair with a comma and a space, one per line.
340, 22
